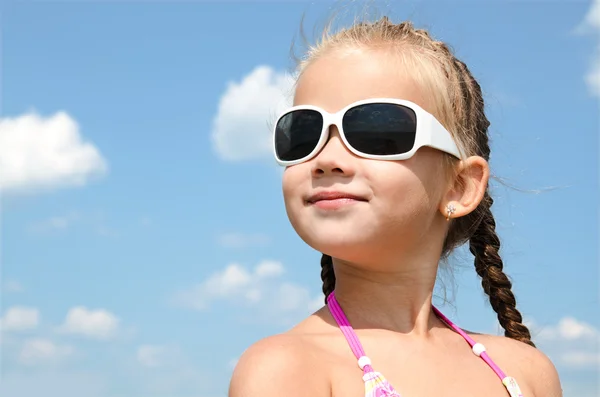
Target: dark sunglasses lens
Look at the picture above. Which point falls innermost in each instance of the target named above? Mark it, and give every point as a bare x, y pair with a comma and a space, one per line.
297, 134
380, 128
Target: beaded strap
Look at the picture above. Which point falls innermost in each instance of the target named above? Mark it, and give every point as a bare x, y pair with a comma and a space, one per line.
376, 385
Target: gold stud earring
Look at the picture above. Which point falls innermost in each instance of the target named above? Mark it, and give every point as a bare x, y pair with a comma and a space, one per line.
450, 209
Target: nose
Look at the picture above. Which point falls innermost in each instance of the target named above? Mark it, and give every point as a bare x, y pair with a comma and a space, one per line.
334, 158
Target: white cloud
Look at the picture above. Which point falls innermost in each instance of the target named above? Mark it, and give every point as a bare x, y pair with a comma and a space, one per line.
261, 288
96, 324
38, 153
591, 20
20, 318
591, 25
569, 328
43, 351
233, 280
269, 269
570, 342
241, 240
241, 129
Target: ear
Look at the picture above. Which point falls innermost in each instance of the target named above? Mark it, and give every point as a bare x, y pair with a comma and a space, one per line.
467, 189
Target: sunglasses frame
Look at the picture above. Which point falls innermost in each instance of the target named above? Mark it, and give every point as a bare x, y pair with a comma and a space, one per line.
430, 132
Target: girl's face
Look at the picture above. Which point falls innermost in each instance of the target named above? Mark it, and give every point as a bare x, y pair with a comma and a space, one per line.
398, 201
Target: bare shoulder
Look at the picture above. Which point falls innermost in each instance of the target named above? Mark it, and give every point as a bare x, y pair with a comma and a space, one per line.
526, 363
277, 365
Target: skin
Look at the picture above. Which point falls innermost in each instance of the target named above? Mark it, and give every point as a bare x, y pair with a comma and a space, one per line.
386, 251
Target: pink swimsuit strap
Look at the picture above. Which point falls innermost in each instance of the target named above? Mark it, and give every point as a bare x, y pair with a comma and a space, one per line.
359, 353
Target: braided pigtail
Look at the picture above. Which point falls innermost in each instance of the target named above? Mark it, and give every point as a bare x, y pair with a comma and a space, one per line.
485, 245
327, 275
480, 226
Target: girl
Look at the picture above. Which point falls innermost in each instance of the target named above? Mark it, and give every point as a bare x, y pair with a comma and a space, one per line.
386, 153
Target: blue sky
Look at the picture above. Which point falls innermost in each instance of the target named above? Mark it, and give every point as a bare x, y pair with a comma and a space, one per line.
144, 239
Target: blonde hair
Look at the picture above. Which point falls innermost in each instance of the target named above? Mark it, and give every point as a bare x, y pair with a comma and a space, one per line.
458, 104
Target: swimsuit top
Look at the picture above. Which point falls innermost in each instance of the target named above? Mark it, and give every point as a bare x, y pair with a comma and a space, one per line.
376, 385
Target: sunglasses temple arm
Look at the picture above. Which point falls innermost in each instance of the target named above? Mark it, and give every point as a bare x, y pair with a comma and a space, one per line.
441, 139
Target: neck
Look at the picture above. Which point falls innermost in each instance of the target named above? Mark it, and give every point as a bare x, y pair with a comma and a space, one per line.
398, 300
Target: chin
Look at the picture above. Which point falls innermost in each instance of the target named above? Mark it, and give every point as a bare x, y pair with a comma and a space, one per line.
345, 243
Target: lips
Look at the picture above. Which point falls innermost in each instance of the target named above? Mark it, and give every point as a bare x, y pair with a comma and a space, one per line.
333, 195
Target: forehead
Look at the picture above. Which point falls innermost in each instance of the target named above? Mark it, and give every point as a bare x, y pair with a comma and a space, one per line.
339, 78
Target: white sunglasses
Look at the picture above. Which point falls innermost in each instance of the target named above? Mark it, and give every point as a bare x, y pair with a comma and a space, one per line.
377, 128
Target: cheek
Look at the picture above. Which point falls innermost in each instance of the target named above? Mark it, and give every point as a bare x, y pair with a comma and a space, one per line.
292, 181
403, 197
289, 183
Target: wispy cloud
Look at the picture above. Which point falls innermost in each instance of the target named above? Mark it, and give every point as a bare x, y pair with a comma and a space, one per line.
262, 288
581, 359
12, 286
154, 356
20, 318
51, 383
40, 153
55, 223
95, 222
241, 129
39, 351
162, 370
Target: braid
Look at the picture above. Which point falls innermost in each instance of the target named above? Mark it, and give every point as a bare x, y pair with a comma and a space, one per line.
484, 245
327, 275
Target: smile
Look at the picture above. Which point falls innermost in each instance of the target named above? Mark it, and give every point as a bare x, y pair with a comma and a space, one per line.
334, 200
